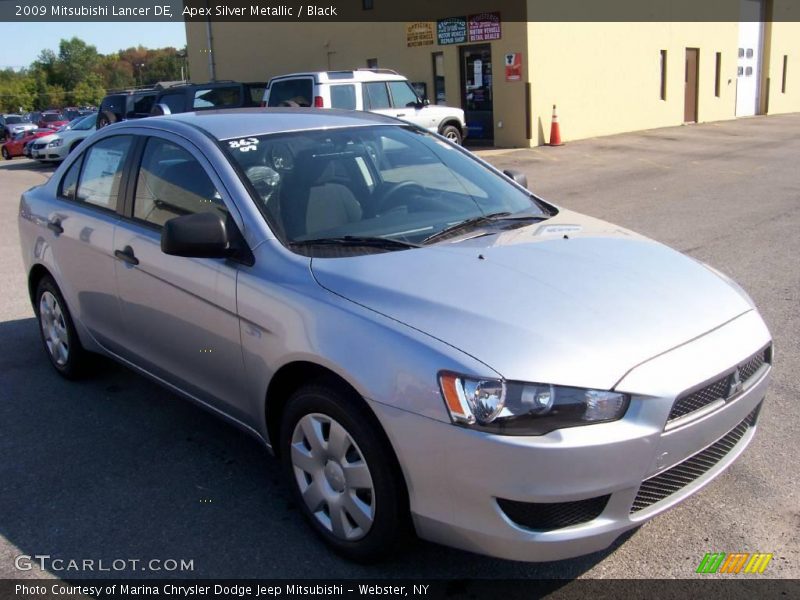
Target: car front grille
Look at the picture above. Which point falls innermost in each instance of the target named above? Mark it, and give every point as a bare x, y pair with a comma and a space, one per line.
555, 515
722, 388
675, 479
39, 145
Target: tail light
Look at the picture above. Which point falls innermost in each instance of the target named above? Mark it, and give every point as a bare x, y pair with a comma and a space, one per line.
319, 102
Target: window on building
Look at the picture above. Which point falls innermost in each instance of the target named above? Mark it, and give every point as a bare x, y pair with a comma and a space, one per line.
438, 78
783, 80
367, 4
663, 74
343, 96
372, 63
718, 75
102, 172
376, 96
172, 183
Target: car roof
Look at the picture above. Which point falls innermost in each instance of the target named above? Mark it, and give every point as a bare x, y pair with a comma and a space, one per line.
243, 122
345, 76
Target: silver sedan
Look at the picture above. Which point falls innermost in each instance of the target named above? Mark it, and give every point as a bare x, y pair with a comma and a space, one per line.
427, 346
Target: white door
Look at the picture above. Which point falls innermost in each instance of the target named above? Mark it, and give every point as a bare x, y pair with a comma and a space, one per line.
748, 69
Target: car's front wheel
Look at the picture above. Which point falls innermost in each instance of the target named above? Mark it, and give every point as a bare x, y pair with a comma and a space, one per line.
452, 133
343, 473
58, 331
6, 155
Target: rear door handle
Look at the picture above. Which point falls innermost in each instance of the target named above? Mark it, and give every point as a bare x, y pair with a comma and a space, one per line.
127, 256
55, 227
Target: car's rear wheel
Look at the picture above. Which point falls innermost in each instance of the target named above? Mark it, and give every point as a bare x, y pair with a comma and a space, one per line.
58, 330
342, 473
6, 155
452, 133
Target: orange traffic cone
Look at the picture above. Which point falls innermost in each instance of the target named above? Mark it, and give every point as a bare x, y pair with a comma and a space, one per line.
555, 130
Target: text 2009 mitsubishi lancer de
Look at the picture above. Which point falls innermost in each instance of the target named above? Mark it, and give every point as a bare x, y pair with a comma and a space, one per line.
426, 346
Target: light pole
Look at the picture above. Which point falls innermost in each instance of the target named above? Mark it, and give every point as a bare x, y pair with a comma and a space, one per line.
139, 67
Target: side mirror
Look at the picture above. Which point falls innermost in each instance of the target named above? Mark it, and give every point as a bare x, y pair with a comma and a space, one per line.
160, 109
517, 176
199, 235
422, 102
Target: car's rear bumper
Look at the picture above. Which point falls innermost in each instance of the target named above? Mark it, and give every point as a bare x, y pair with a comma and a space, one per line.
455, 476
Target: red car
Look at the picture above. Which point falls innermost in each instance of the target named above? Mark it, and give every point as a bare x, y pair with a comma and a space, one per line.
52, 119
14, 146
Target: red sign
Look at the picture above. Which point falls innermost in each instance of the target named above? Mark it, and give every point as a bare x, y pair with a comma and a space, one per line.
484, 27
513, 66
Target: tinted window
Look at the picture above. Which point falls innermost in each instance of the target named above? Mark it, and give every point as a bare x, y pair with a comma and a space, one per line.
402, 94
102, 171
49, 118
176, 102
256, 93
218, 97
291, 92
376, 96
172, 183
14, 120
69, 183
143, 104
343, 96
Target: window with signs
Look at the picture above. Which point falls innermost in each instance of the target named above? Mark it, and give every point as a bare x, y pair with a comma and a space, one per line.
343, 96
403, 95
172, 183
101, 176
376, 96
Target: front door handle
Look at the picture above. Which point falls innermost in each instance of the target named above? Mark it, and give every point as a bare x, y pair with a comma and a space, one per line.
55, 227
401, 114
127, 256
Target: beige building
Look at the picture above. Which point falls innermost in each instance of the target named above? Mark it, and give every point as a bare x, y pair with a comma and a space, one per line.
605, 77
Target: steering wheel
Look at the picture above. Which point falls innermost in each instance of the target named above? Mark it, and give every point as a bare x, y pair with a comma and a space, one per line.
391, 201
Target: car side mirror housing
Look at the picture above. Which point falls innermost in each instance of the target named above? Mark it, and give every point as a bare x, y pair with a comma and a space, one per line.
517, 176
199, 235
422, 102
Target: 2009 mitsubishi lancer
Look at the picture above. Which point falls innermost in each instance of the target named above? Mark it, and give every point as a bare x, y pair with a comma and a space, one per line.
425, 344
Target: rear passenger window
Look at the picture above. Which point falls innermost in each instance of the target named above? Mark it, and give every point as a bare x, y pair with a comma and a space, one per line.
343, 96
102, 172
291, 92
218, 97
376, 96
171, 183
69, 183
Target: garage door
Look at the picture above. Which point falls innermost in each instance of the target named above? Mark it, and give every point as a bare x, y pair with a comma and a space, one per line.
748, 75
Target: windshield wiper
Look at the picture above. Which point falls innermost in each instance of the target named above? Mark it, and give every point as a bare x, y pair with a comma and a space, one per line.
496, 216
352, 240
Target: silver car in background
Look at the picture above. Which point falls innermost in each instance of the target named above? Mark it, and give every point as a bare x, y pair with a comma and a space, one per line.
427, 346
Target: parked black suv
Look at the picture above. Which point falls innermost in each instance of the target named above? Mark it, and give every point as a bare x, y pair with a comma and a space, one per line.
128, 104
169, 98
185, 97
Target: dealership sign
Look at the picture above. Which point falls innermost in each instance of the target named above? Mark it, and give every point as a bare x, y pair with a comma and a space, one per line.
484, 27
451, 31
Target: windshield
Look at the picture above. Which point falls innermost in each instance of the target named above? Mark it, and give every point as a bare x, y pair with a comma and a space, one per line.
14, 120
387, 182
84, 123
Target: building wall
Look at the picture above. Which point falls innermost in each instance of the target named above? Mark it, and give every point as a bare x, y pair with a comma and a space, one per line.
605, 77
784, 40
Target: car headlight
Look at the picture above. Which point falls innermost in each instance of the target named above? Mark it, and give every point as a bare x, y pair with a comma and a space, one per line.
55, 143
516, 408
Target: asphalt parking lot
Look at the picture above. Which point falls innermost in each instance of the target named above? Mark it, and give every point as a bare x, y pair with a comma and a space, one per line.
116, 467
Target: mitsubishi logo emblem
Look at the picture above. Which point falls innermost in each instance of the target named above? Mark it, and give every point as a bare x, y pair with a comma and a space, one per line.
736, 383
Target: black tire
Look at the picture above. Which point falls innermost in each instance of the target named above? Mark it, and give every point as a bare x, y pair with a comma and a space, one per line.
75, 364
390, 527
6, 155
452, 133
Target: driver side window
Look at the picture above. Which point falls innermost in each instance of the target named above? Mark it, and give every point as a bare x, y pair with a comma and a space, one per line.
172, 183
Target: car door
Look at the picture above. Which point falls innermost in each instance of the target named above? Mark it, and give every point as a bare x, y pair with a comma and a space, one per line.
408, 107
81, 233
180, 313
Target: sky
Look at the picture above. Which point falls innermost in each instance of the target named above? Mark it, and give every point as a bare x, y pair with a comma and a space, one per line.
22, 42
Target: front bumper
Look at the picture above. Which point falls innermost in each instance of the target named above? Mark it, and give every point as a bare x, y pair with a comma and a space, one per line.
46, 154
456, 475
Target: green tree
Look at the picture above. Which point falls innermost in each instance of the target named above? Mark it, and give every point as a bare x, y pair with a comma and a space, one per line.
76, 60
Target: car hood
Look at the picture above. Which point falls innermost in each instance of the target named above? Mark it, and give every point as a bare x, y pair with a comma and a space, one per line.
570, 301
